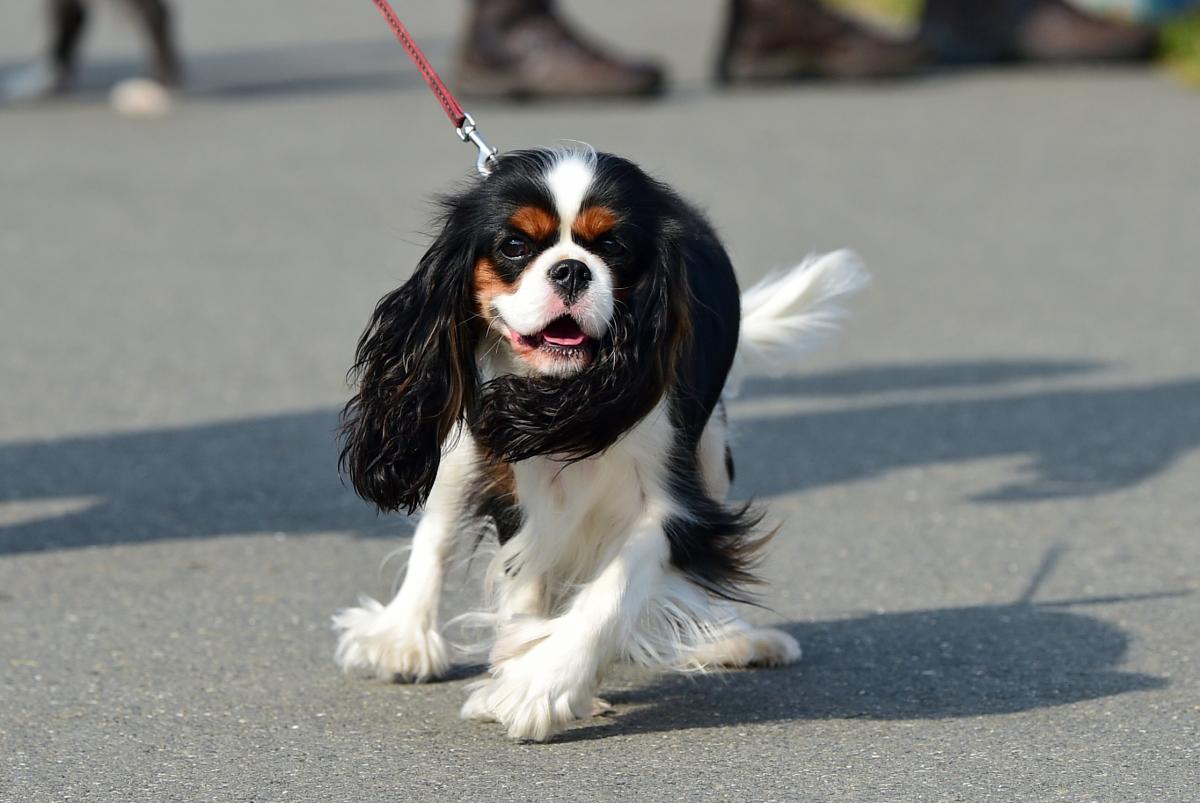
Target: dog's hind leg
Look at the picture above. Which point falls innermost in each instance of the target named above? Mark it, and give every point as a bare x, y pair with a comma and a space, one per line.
739, 645
716, 458
402, 640
742, 646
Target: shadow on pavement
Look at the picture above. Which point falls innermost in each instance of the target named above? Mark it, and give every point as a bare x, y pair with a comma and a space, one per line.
307, 68
1076, 442
270, 474
303, 69
933, 664
278, 473
916, 376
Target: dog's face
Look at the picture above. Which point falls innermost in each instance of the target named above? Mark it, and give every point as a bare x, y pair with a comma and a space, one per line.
548, 315
564, 240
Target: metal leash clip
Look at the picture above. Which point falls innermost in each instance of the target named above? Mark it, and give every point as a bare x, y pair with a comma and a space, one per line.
468, 132
464, 124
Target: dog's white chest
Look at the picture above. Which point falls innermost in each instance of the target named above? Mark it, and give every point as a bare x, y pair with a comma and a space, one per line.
575, 511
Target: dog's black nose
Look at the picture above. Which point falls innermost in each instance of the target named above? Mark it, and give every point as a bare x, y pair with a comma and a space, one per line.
570, 278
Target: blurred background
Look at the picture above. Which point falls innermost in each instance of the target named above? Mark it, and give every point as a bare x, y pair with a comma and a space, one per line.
989, 486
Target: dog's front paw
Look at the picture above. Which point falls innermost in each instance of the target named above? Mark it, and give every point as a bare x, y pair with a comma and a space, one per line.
475, 708
534, 696
390, 646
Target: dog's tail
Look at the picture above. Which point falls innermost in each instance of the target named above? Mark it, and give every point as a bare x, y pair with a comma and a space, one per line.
789, 313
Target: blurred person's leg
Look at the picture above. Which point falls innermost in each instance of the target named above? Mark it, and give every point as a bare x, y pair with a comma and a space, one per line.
52, 71
780, 39
515, 48
972, 31
68, 18
154, 17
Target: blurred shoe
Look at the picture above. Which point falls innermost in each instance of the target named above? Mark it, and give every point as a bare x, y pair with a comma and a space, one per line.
33, 82
522, 48
770, 40
968, 31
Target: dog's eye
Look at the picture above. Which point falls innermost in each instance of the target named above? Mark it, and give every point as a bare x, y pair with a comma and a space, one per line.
515, 248
610, 246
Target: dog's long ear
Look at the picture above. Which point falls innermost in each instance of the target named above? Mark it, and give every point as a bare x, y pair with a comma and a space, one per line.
660, 306
416, 375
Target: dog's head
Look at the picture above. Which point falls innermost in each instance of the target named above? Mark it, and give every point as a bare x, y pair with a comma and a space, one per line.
549, 314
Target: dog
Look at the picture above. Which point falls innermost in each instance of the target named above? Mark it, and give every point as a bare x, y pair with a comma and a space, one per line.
53, 74
553, 374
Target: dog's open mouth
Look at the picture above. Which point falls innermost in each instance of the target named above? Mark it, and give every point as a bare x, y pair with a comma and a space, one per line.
561, 337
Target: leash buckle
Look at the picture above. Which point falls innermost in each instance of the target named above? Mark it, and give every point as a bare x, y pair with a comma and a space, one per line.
469, 132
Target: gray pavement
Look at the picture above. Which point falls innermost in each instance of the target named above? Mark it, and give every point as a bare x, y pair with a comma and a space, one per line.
990, 488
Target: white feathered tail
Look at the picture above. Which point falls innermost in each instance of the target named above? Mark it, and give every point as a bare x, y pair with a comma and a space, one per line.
789, 313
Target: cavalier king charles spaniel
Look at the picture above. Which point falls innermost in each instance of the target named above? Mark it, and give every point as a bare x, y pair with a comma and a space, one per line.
553, 375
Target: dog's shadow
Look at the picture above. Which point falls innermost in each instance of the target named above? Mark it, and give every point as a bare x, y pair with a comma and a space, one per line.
928, 664
278, 473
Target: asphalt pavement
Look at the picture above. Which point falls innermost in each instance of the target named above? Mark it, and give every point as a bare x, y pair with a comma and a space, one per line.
990, 489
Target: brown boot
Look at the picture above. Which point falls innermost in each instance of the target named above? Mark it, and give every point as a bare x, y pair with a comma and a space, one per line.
769, 40
522, 48
970, 31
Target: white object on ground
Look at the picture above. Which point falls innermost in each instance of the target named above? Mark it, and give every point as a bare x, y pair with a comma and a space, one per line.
140, 97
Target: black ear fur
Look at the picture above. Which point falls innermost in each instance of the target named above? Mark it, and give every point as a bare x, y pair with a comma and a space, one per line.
416, 375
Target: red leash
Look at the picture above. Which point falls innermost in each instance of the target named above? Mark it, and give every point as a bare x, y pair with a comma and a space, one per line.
464, 124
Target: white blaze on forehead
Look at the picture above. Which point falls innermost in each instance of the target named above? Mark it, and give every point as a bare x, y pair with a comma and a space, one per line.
569, 179
534, 304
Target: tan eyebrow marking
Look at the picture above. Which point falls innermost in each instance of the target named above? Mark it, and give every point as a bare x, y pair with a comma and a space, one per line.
594, 222
534, 222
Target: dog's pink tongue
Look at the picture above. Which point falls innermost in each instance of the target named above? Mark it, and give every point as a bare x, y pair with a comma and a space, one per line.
564, 332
